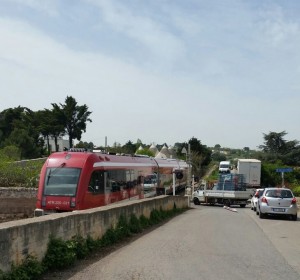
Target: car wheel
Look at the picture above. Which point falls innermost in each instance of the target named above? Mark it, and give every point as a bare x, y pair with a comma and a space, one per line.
261, 215
196, 201
294, 217
242, 205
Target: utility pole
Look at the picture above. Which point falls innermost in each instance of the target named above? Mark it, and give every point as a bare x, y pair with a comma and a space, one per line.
189, 177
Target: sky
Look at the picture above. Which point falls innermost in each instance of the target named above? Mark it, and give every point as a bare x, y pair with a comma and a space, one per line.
163, 71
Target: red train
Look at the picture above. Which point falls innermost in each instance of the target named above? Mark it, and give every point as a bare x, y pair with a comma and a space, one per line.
76, 179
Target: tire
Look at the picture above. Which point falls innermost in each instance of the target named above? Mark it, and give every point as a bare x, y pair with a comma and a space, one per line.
242, 205
227, 203
196, 201
261, 215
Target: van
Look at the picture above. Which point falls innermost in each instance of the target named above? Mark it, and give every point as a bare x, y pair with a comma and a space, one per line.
224, 167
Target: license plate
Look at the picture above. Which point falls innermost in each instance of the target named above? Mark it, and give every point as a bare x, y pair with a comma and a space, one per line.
278, 210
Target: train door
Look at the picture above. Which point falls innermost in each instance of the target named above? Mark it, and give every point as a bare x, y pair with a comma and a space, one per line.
95, 195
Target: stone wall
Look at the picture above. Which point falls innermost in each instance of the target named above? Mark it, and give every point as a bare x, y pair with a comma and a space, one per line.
21, 238
17, 203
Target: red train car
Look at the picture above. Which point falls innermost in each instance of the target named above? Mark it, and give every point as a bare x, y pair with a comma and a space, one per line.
76, 180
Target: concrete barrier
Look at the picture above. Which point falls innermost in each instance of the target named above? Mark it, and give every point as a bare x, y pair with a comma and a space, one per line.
21, 238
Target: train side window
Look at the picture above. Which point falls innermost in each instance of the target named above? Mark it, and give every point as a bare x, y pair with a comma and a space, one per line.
96, 184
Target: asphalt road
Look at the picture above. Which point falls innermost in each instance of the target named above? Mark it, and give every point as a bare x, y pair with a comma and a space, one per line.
207, 242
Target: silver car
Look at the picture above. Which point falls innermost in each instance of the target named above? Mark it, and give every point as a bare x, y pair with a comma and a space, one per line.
255, 197
277, 201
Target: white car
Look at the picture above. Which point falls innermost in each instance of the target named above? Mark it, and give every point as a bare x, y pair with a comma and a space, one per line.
277, 201
255, 197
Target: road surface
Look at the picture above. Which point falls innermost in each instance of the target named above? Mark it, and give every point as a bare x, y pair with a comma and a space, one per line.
207, 242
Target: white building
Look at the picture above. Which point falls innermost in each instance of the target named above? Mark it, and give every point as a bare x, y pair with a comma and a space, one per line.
61, 143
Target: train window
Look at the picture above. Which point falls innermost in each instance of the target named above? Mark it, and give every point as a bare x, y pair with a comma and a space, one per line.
96, 184
116, 180
61, 181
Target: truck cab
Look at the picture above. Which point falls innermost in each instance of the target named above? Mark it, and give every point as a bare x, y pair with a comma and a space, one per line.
224, 167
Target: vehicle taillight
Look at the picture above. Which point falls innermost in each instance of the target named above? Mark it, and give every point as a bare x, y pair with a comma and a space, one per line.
73, 202
294, 200
263, 199
43, 201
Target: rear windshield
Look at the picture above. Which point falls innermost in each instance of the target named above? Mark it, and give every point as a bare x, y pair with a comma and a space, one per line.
279, 193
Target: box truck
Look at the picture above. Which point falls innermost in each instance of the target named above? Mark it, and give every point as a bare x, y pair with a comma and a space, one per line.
251, 170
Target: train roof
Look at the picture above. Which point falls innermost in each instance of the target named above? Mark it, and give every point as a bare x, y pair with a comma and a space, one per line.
103, 159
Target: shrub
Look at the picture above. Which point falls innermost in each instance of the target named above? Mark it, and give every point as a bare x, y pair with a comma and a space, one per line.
81, 247
144, 222
135, 224
60, 253
30, 269
122, 229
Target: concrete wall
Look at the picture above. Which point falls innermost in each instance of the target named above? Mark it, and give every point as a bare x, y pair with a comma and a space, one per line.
17, 203
30, 236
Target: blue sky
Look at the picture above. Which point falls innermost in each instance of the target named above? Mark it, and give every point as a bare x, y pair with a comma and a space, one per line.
223, 71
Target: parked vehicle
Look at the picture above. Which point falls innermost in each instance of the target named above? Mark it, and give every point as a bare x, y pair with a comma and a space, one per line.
77, 179
251, 170
229, 190
277, 201
224, 167
255, 197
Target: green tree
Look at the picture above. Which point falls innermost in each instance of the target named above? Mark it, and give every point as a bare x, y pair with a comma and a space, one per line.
8, 120
146, 152
129, 148
74, 118
277, 148
85, 145
19, 128
51, 124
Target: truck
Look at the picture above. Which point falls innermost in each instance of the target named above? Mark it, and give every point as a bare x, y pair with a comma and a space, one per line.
229, 190
224, 167
251, 171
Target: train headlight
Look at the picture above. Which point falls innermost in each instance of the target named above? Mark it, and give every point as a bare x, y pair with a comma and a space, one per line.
73, 202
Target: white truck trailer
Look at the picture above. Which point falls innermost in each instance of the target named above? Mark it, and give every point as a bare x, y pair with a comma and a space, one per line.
251, 170
228, 191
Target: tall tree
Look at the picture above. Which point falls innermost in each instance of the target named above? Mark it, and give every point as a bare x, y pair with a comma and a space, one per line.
274, 143
51, 124
277, 148
19, 128
74, 118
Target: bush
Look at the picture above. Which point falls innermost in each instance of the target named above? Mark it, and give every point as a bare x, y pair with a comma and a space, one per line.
81, 247
296, 191
60, 253
135, 224
144, 222
30, 269
122, 229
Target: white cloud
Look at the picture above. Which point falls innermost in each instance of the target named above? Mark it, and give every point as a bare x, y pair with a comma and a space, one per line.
222, 78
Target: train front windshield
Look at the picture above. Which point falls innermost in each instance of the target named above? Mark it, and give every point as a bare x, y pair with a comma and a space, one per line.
61, 181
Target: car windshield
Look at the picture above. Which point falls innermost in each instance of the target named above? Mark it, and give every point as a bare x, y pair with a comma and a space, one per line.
260, 193
61, 181
280, 193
